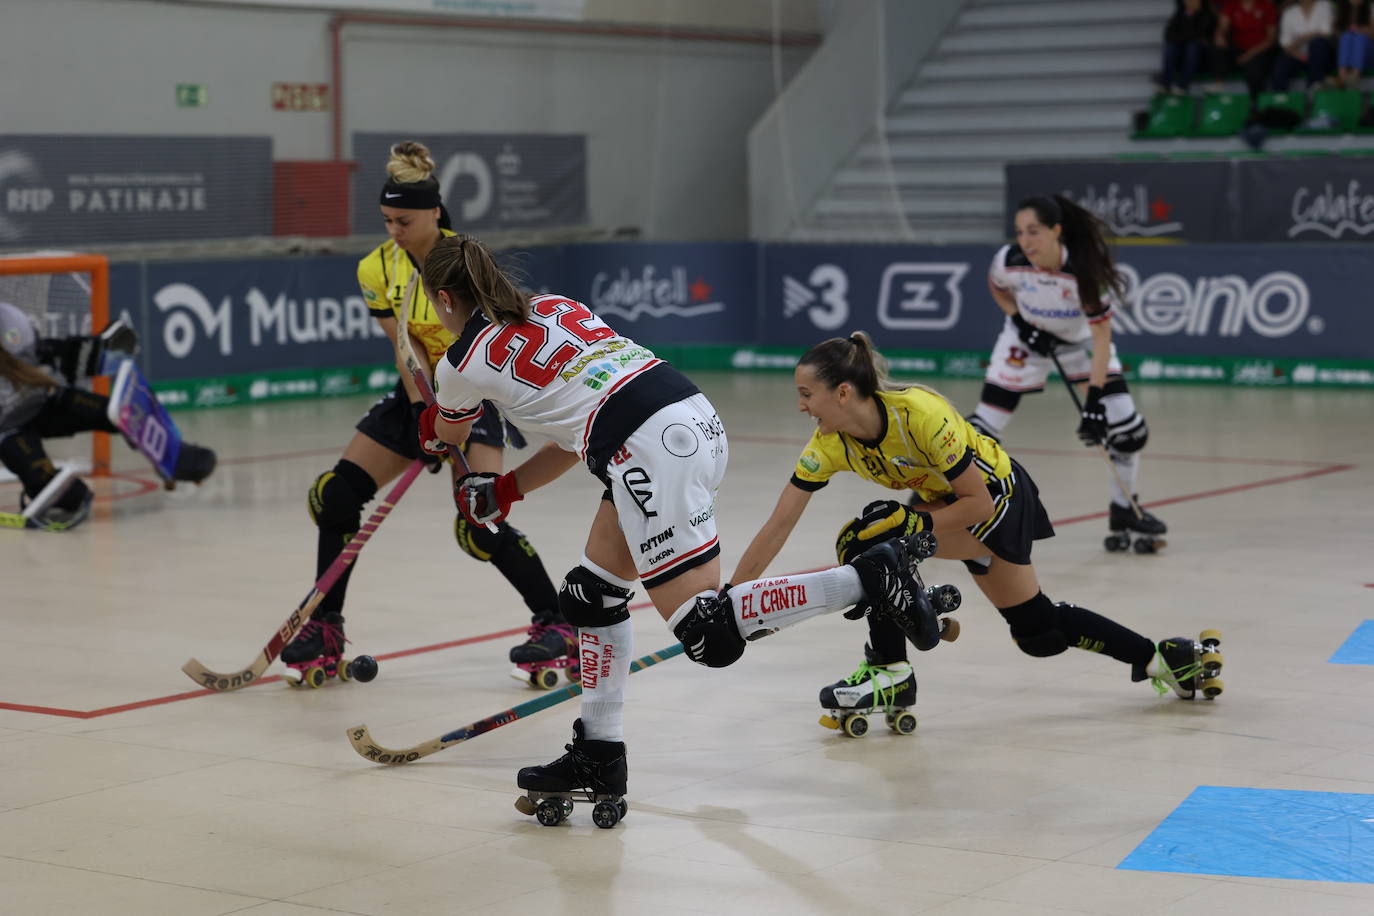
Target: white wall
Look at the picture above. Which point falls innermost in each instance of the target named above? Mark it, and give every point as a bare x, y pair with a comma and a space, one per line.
666, 120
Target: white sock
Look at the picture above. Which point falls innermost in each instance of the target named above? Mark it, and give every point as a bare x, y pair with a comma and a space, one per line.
1127, 468
605, 654
769, 605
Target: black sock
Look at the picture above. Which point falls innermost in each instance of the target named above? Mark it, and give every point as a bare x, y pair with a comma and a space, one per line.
886, 639
1092, 632
517, 560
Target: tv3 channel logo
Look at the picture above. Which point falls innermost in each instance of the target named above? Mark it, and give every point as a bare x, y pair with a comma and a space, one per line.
912, 296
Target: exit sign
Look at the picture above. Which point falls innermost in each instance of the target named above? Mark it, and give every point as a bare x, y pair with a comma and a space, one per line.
191, 95
300, 96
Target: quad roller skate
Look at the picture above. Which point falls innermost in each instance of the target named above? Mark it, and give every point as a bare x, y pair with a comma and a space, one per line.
872, 688
550, 648
316, 655
1143, 534
1189, 666
591, 772
889, 570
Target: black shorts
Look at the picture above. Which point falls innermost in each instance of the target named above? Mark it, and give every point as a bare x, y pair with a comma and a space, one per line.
389, 424
1018, 520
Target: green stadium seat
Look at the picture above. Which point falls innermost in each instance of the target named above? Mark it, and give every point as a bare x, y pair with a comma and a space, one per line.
1170, 116
1223, 114
1340, 106
1293, 101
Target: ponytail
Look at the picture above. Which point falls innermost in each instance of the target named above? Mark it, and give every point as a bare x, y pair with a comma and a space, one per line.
20, 372
851, 359
1085, 238
464, 268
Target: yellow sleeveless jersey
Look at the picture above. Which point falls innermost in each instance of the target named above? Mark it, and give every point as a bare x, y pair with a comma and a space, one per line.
924, 442
383, 276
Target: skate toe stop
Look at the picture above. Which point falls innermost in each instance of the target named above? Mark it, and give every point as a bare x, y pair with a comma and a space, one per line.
524, 805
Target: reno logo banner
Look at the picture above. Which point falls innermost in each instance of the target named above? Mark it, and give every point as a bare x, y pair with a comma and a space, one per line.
667, 294
488, 181
904, 296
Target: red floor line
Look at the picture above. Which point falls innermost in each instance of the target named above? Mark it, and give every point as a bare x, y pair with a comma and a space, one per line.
487, 637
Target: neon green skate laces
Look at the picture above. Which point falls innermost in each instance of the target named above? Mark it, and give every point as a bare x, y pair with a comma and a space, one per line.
1170, 678
882, 696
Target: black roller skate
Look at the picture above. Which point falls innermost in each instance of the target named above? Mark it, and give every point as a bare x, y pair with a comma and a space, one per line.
71, 509
591, 772
194, 464
317, 654
549, 648
1189, 666
894, 588
873, 686
1130, 531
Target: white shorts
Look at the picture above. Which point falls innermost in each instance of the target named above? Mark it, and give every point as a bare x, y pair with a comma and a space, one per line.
1013, 367
663, 485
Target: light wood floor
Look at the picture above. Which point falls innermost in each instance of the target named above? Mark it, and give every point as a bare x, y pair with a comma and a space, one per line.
1026, 784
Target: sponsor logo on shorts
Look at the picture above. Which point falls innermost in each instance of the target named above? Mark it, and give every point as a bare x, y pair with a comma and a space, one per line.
702, 518
637, 483
662, 556
656, 540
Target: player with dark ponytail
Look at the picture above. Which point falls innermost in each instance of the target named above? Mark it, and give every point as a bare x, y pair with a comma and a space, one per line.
385, 441
1056, 285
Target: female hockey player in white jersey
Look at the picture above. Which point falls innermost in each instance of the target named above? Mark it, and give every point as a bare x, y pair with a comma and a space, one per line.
658, 446
1055, 286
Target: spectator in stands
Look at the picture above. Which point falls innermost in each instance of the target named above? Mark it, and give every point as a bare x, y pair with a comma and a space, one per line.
1306, 41
1356, 37
1185, 44
1246, 34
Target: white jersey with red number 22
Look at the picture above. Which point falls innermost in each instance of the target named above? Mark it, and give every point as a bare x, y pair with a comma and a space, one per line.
549, 375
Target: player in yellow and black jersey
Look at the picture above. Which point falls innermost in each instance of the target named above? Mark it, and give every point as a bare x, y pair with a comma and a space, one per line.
387, 437
982, 505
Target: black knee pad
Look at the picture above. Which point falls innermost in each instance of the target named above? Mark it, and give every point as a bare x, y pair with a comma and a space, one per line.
580, 599
1132, 440
479, 541
337, 497
1035, 626
997, 396
708, 632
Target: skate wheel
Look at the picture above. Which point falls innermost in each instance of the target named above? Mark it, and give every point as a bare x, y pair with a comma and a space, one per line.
1115, 543
344, 670
544, 679
923, 545
314, 677
829, 721
903, 723
548, 813
524, 805
1212, 688
1144, 545
1210, 639
1211, 664
946, 598
949, 629
605, 815
856, 726
623, 807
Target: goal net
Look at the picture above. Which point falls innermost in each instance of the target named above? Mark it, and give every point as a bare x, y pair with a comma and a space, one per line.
63, 294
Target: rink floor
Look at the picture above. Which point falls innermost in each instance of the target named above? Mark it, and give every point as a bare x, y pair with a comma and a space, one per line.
124, 789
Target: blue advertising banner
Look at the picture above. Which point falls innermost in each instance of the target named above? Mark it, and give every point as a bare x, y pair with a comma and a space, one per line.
85, 190
210, 318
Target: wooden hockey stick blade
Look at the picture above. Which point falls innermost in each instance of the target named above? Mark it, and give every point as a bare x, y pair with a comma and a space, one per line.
215, 680
362, 742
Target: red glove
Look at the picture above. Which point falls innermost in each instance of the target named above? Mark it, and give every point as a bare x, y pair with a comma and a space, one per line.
430, 442
486, 498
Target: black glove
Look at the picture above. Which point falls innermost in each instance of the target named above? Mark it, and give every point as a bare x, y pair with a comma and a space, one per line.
1037, 340
82, 356
881, 520
432, 462
1093, 428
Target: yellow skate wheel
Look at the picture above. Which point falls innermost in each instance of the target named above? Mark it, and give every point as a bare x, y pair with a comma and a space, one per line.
1210, 639
949, 629
856, 726
903, 723
547, 679
524, 805
829, 721
314, 677
1212, 688
342, 671
1211, 664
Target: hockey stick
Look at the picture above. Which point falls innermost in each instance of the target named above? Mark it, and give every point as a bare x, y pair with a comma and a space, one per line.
362, 741
1102, 449
214, 680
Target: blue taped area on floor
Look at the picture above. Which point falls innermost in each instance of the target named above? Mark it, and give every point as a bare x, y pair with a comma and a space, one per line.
1264, 833
1358, 649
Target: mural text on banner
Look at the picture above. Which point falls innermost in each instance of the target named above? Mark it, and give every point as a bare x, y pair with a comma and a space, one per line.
1151, 200
488, 181
521, 9
88, 190
1316, 200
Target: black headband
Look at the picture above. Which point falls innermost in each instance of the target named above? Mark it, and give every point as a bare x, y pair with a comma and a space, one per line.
412, 195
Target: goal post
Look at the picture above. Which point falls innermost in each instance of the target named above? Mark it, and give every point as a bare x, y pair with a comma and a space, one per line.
64, 294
